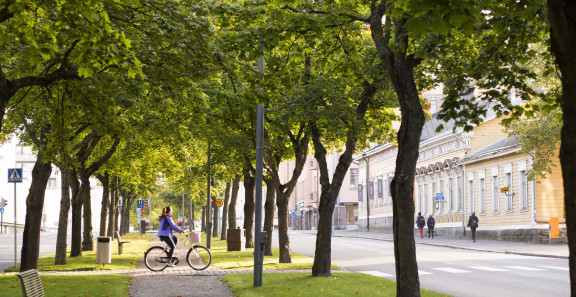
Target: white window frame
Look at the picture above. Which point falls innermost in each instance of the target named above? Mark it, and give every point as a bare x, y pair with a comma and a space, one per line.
52, 183
522, 186
470, 192
425, 198
459, 187
450, 193
508, 182
441, 190
495, 191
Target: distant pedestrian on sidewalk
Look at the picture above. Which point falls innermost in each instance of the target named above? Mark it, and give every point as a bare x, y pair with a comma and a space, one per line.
431, 224
165, 231
473, 224
420, 223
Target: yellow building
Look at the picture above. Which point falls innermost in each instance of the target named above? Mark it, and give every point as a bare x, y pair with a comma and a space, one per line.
458, 173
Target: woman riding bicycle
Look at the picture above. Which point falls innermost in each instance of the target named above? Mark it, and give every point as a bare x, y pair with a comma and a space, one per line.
165, 231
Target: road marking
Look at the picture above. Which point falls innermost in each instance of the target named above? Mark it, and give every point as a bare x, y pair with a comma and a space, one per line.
488, 268
524, 268
420, 272
556, 267
377, 273
451, 270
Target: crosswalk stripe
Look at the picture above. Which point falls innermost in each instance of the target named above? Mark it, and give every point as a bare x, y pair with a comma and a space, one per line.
377, 273
420, 272
488, 268
451, 270
524, 268
556, 267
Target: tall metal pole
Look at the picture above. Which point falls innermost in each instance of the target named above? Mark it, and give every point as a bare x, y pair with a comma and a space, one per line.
367, 192
208, 209
258, 250
15, 230
261, 237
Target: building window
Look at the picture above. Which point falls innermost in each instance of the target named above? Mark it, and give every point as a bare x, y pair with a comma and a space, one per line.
523, 190
380, 189
371, 188
470, 196
441, 190
353, 178
459, 186
425, 207
52, 183
450, 193
360, 196
311, 163
482, 196
495, 191
509, 193
420, 198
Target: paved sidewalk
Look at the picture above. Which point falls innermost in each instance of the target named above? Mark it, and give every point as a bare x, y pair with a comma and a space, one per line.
494, 246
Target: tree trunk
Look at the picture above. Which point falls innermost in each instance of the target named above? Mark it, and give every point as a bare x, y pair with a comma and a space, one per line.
88, 240
77, 189
225, 211
34, 205
105, 180
233, 199
112, 208
203, 227
116, 203
563, 41
283, 237
61, 245
249, 186
269, 214
215, 218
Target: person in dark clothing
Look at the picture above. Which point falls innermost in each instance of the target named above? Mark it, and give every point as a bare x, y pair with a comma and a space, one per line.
473, 224
430, 225
420, 222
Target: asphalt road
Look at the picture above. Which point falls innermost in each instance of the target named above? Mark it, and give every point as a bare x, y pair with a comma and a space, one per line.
47, 246
450, 271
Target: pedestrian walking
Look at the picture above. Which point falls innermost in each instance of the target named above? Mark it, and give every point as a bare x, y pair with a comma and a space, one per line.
420, 223
473, 224
430, 224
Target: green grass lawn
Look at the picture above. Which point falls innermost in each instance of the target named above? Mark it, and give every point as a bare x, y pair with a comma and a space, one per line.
71, 285
302, 284
131, 255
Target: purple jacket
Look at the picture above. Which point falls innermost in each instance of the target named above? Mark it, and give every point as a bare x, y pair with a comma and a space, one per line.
166, 226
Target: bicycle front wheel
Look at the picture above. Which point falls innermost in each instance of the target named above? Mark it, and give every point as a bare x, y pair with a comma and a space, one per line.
199, 257
156, 258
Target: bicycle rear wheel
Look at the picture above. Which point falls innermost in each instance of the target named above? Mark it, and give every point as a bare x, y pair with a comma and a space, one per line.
199, 257
156, 258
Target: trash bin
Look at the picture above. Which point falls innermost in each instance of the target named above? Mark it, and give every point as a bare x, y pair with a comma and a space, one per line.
236, 239
104, 250
142, 226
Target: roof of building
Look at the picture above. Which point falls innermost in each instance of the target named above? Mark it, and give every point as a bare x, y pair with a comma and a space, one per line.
503, 144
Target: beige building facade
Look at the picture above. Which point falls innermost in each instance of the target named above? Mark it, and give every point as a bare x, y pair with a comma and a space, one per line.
304, 201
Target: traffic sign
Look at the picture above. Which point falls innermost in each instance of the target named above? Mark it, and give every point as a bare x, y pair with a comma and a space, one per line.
140, 203
439, 196
119, 207
14, 175
504, 190
2, 210
219, 202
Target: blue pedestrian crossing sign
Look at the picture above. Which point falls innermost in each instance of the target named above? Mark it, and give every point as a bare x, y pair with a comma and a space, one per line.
140, 203
15, 175
2, 210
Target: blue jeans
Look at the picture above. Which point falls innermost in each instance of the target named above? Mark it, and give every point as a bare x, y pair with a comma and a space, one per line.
171, 242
